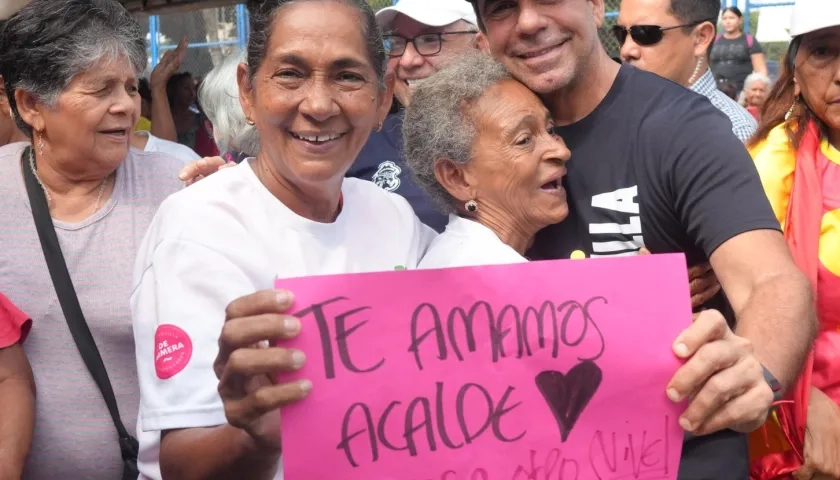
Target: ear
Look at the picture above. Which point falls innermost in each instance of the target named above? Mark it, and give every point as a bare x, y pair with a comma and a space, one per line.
246, 90
480, 42
386, 96
704, 35
30, 110
599, 10
455, 179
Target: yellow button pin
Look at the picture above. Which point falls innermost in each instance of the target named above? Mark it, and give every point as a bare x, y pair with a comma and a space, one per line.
578, 255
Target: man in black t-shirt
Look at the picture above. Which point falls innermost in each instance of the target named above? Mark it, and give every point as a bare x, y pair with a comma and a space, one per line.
656, 165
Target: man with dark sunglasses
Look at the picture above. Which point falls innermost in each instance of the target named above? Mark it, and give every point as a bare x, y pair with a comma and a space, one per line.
672, 38
655, 165
420, 35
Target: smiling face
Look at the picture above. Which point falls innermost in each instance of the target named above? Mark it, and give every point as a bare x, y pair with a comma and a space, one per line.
92, 118
817, 75
517, 163
545, 44
315, 97
411, 66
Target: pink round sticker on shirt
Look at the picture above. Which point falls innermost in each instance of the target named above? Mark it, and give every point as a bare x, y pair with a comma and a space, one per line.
173, 350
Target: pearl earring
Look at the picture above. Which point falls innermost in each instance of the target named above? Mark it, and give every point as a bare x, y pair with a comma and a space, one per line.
471, 206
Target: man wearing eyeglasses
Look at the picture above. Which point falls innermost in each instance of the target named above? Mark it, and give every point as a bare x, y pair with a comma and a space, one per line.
655, 165
420, 35
672, 39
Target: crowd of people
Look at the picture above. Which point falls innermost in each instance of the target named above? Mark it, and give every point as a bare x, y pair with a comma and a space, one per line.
145, 222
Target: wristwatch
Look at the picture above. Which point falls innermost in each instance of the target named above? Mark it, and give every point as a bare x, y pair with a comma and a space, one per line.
774, 384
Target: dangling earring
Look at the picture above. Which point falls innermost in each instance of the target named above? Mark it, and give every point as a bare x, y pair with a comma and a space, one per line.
471, 206
792, 109
696, 75
379, 127
40, 144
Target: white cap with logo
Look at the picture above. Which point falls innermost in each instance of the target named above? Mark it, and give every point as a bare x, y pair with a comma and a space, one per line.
812, 15
434, 13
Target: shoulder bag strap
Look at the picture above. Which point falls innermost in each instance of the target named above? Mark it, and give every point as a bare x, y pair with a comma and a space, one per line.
70, 303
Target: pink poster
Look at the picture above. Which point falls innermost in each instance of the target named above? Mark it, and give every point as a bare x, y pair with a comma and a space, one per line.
537, 371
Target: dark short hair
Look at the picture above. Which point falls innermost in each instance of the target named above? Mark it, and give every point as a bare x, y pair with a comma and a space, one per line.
144, 90
735, 10
48, 42
692, 11
262, 15
173, 84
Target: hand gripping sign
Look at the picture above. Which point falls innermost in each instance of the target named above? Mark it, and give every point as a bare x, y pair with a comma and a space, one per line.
538, 371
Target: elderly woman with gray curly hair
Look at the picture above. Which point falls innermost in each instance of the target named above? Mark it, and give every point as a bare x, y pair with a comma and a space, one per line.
481, 145
74, 205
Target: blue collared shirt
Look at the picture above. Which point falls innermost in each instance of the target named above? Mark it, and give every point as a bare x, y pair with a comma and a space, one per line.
743, 124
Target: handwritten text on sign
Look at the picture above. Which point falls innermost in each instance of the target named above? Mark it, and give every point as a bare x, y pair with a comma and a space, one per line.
539, 371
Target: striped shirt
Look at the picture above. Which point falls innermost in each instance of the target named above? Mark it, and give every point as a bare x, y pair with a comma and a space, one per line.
743, 124
74, 435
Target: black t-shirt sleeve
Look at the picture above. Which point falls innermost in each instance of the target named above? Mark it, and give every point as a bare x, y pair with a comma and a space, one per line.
756, 47
711, 177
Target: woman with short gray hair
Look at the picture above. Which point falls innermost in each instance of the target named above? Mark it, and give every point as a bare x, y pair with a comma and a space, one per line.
236, 138
756, 87
71, 71
480, 144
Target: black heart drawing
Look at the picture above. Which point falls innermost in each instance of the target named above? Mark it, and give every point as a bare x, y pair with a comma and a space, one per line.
567, 395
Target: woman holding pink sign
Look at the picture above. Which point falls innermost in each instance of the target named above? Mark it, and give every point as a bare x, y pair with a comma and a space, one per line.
314, 87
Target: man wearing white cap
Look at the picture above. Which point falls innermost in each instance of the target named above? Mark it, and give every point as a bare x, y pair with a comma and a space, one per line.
420, 36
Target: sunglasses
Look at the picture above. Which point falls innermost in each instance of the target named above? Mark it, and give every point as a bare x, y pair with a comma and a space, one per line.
646, 35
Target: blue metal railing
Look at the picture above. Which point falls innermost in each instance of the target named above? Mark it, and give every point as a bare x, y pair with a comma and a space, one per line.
156, 50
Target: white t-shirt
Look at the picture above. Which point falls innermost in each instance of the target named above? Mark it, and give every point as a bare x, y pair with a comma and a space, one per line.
467, 243
225, 237
181, 152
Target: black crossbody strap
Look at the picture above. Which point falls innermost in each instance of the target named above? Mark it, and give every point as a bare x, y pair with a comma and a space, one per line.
70, 303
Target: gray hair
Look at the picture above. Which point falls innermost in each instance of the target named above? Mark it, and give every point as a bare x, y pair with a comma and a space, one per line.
752, 78
438, 122
219, 97
48, 42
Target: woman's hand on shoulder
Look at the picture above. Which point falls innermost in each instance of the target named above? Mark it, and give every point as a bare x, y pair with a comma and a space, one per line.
203, 168
247, 365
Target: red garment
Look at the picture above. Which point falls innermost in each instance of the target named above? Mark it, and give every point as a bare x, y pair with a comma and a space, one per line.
14, 324
813, 198
754, 112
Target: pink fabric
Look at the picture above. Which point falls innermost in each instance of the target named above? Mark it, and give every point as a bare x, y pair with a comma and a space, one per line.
14, 324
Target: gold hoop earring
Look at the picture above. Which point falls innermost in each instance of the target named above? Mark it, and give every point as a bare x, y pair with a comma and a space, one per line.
471, 206
40, 144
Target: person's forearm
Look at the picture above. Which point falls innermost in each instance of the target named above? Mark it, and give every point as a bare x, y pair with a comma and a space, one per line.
17, 421
781, 321
222, 452
163, 124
